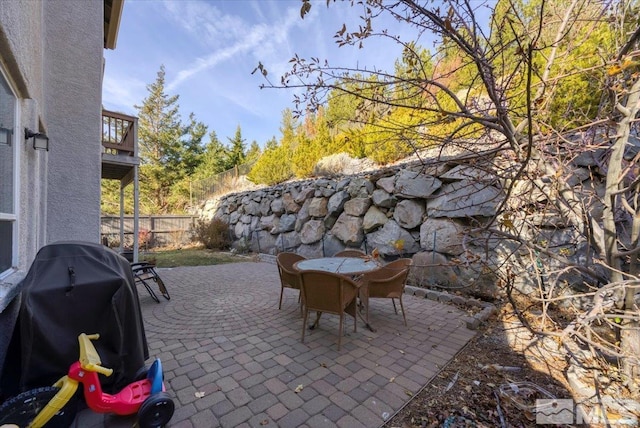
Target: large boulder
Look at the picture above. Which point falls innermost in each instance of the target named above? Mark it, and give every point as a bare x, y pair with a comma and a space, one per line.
348, 229
431, 269
288, 241
312, 231
303, 215
412, 184
287, 223
336, 203
360, 188
373, 219
277, 206
263, 242
383, 199
252, 208
265, 206
310, 251
304, 194
389, 238
442, 235
290, 205
409, 213
318, 207
465, 198
357, 206
387, 183
267, 222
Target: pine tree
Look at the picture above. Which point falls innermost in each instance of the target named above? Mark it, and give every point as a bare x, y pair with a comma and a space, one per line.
236, 154
168, 150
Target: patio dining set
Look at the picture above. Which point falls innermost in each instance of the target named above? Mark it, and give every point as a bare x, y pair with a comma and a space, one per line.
342, 284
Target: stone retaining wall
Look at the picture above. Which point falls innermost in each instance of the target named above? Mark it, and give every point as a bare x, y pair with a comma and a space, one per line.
429, 212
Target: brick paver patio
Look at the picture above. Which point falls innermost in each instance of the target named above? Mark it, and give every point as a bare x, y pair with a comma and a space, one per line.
232, 359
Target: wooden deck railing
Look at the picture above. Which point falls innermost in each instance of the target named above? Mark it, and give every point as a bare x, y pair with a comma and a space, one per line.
118, 133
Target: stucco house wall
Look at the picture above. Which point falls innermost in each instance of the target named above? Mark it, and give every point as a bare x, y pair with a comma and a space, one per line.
51, 53
73, 109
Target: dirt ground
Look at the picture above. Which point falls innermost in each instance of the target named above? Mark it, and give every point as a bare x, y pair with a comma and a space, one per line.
467, 392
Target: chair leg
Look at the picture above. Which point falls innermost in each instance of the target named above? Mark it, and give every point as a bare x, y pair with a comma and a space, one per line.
404, 314
281, 293
300, 301
394, 305
340, 331
304, 323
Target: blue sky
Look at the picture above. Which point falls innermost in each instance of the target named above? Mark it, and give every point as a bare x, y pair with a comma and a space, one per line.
209, 49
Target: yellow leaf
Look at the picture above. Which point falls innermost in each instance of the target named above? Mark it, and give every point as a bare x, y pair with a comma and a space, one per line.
614, 69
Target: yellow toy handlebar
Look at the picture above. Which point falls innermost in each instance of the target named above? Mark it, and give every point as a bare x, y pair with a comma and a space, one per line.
89, 358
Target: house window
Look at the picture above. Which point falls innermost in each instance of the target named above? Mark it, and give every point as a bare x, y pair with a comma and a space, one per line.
8, 167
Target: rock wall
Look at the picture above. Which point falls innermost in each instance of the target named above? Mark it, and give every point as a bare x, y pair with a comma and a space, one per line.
405, 211
433, 213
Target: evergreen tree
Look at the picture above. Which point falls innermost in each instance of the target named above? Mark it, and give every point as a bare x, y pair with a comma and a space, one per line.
214, 159
254, 152
168, 150
236, 153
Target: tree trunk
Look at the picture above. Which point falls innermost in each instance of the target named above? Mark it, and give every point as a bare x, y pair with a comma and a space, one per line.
630, 328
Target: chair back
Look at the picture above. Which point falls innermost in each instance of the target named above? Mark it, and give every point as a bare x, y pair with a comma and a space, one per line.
289, 276
390, 279
327, 292
349, 253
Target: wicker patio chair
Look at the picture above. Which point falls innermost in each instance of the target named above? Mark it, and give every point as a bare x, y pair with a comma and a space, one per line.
388, 283
350, 253
289, 276
331, 293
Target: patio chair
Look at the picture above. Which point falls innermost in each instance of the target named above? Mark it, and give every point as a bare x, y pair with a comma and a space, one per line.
388, 282
289, 276
350, 253
328, 292
144, 273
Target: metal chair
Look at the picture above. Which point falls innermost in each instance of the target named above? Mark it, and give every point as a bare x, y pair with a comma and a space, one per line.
144, 273
289, 276
388, 283
328, 292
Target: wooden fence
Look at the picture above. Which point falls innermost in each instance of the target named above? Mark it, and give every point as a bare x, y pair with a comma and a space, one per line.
153, 231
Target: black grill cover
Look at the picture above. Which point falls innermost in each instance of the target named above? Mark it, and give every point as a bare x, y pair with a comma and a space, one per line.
73, 288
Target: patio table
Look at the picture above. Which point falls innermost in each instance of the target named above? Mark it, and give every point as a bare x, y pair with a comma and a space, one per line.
351, 266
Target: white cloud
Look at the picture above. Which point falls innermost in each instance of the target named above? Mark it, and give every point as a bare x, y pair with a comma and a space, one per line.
263, 42
121, 93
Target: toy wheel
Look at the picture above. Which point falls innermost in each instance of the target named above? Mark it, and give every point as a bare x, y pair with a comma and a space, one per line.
156, 411
163, 289
141, 374
21, 409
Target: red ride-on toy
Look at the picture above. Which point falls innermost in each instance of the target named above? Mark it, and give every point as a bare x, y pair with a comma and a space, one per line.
146, 396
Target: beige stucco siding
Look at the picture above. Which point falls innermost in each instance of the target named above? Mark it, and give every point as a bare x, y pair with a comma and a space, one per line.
72, 107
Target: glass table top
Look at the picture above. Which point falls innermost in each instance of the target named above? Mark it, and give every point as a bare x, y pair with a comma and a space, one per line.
341, 265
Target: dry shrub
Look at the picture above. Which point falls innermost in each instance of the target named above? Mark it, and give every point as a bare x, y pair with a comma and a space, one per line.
332, 165
214, 234
341, 163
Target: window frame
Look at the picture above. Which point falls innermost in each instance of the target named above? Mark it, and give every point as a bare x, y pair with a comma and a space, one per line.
15, 143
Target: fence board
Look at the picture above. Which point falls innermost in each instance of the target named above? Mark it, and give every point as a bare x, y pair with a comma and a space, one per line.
153, 231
